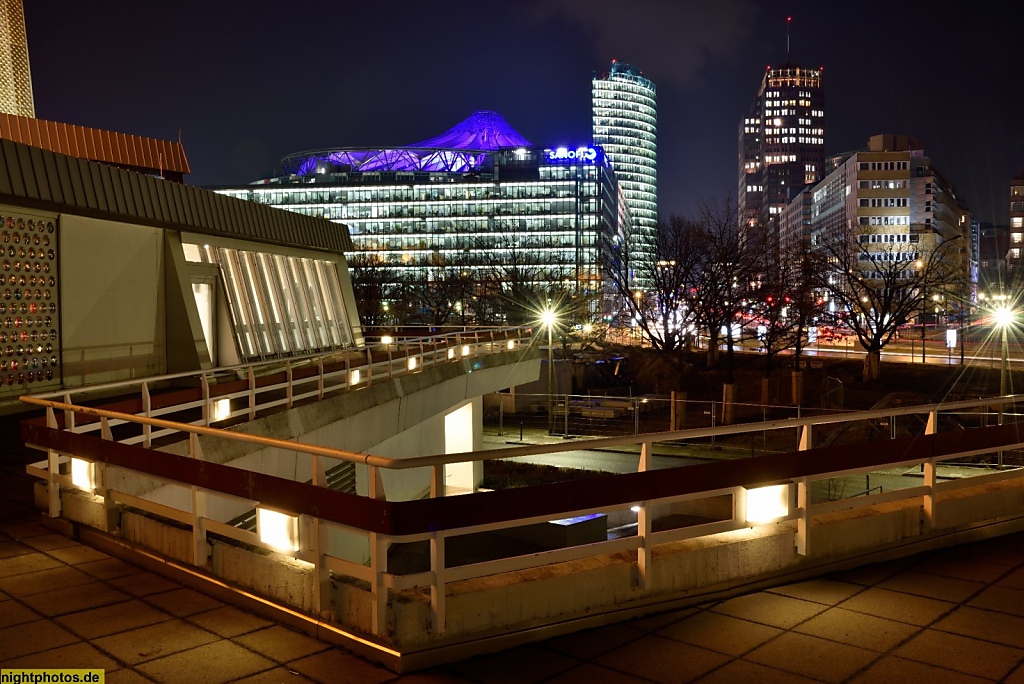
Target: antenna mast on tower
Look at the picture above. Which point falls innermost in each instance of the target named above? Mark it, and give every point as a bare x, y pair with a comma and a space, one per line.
789, 20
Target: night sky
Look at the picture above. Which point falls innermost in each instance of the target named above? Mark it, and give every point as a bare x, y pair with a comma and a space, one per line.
247, 82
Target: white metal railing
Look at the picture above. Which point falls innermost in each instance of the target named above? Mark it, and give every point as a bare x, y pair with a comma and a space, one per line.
302, 379
312, 530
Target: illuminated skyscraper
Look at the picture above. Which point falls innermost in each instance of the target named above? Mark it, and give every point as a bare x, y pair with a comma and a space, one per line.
15, 77
782, 142
625, 110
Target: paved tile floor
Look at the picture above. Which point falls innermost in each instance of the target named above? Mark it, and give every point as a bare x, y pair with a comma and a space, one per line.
950, 616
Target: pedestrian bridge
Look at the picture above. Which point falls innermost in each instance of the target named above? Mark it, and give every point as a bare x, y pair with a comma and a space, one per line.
410, 568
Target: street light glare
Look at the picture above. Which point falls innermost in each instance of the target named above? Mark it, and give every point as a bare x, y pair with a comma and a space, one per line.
1003, 316
548, 318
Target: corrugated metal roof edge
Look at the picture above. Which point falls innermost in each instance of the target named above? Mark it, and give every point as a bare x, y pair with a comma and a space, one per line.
286, 228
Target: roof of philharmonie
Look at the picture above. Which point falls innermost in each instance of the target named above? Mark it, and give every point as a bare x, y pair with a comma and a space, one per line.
461, 148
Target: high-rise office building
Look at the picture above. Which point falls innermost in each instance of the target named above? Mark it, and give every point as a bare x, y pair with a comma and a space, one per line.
15, 77
782, 142
478, 198
625, 112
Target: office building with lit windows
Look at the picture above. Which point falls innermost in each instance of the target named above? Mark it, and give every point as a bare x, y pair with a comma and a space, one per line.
625, 113
892, 201
781, 142
1013, 254
478, 197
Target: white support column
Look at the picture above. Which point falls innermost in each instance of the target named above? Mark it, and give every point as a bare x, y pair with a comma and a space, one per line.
252, 394
100, 484
320, 376
200, 550
378, 563
437, 584
803, 500
320, 546
53, 466
437, 481
69, 415
147, 411
643, 527
289, 390
928, 469
369, 366
803, 520
205, 385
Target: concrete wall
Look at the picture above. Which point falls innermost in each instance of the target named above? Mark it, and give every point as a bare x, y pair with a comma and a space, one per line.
112, 300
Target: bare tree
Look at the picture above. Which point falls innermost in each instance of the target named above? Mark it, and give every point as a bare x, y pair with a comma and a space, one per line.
876, 288
379, 290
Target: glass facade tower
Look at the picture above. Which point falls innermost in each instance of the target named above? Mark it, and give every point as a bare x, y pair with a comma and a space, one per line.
625, 115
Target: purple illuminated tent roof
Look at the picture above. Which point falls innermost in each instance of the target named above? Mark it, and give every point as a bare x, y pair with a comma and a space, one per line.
461, 148
482, 131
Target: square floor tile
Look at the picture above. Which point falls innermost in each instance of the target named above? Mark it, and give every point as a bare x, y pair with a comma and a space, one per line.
99, 622
720, 633
652, 623
743, 671
338, 667
895, 669
184, 601
47, 542
821, 590
932, 586
44, 580
109, 568
963, 654
857, 629
23, 530
229, 621
593, 642
914, 610
25, 563
1001, 600
125, 676
805, 655
984, 624
770, 609
281, 643
77, 656
1015, 580
74, 599
221, 661
155, 641
143, 584
662, 660
13, 613
32, 637
10, 549
584, 673
77, 554
963, 568
870, 575
993, 551
281, 675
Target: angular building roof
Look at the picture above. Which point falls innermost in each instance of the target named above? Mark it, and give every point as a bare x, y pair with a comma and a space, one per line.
49, 181
459, 149
136, 153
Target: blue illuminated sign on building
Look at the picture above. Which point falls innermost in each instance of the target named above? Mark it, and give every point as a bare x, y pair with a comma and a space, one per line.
587, 155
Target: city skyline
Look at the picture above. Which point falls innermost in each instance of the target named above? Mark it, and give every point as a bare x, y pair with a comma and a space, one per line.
245, 89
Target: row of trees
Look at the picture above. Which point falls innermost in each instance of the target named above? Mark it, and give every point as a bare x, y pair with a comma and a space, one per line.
709, 276
502, 282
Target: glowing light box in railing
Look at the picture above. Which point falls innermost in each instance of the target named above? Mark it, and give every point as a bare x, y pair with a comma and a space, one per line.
83, 474
767, 504
221, 409
279, 531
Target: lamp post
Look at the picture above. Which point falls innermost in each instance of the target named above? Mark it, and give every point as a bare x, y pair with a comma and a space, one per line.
1003, 318
548, 318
